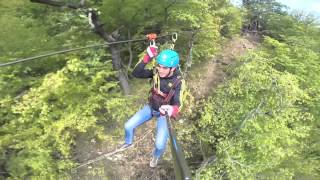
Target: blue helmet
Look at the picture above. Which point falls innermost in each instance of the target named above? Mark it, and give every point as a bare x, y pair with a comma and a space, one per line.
168, 58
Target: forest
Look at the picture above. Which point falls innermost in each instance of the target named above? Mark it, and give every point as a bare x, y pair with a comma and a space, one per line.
252, 88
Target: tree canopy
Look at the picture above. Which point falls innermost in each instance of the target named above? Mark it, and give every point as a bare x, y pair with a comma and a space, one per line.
261, 122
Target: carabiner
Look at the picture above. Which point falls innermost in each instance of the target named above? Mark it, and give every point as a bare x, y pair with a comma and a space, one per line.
152, 42
174, 37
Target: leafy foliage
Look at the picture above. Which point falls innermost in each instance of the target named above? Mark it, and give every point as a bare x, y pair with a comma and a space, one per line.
256, 123
45, 104
47, 119
263, 123
294, 30
209, 21
259, 11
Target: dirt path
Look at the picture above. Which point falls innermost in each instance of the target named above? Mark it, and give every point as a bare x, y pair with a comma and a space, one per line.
134, 162
206, 76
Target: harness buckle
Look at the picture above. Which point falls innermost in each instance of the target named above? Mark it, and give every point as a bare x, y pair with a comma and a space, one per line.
155, 90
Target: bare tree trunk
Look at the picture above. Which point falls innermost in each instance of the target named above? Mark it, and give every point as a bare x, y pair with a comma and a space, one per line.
130, 50
116, 63
98, 29
115, 50
189, 58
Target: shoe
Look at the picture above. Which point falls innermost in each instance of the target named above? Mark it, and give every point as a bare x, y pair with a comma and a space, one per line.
125, 146
154, 162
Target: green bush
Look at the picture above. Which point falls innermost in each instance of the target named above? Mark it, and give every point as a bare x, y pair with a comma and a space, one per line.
38, 141
256, 123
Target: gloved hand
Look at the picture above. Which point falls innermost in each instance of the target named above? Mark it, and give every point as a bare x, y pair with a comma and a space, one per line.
151, 53
171, 110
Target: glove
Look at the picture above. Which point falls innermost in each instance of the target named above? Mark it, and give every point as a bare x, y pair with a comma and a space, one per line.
171, 110
151, 53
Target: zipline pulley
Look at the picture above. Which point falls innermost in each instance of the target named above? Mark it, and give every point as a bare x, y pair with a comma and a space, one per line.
152, 38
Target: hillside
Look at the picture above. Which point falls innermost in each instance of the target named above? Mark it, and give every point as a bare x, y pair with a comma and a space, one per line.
250, 110
134, 162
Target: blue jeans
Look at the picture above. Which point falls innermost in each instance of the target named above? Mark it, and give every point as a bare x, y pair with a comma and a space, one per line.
143, 115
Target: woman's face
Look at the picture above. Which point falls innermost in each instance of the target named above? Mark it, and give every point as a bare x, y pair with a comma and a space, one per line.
164, 71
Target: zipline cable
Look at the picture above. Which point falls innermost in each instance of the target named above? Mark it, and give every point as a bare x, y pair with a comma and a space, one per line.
75, 49
106, 155
92, 46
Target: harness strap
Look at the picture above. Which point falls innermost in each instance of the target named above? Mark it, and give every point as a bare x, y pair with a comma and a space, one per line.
155, 90
172, 90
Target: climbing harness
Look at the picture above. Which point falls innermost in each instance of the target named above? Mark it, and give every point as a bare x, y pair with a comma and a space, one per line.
157, 98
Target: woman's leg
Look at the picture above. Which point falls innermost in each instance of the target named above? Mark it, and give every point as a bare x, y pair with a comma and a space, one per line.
136, 120
161, 137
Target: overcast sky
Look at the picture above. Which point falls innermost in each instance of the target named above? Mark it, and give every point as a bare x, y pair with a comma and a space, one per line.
312, 6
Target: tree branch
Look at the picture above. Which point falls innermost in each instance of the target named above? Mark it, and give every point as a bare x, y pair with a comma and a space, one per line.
98, 29
98, 26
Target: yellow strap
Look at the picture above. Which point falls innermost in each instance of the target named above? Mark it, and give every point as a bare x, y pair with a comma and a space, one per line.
156, 80
182, 90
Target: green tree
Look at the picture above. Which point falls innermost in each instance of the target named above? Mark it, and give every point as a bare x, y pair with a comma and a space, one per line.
259, 11
46, 103
297, 30
49, 118
256, 124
